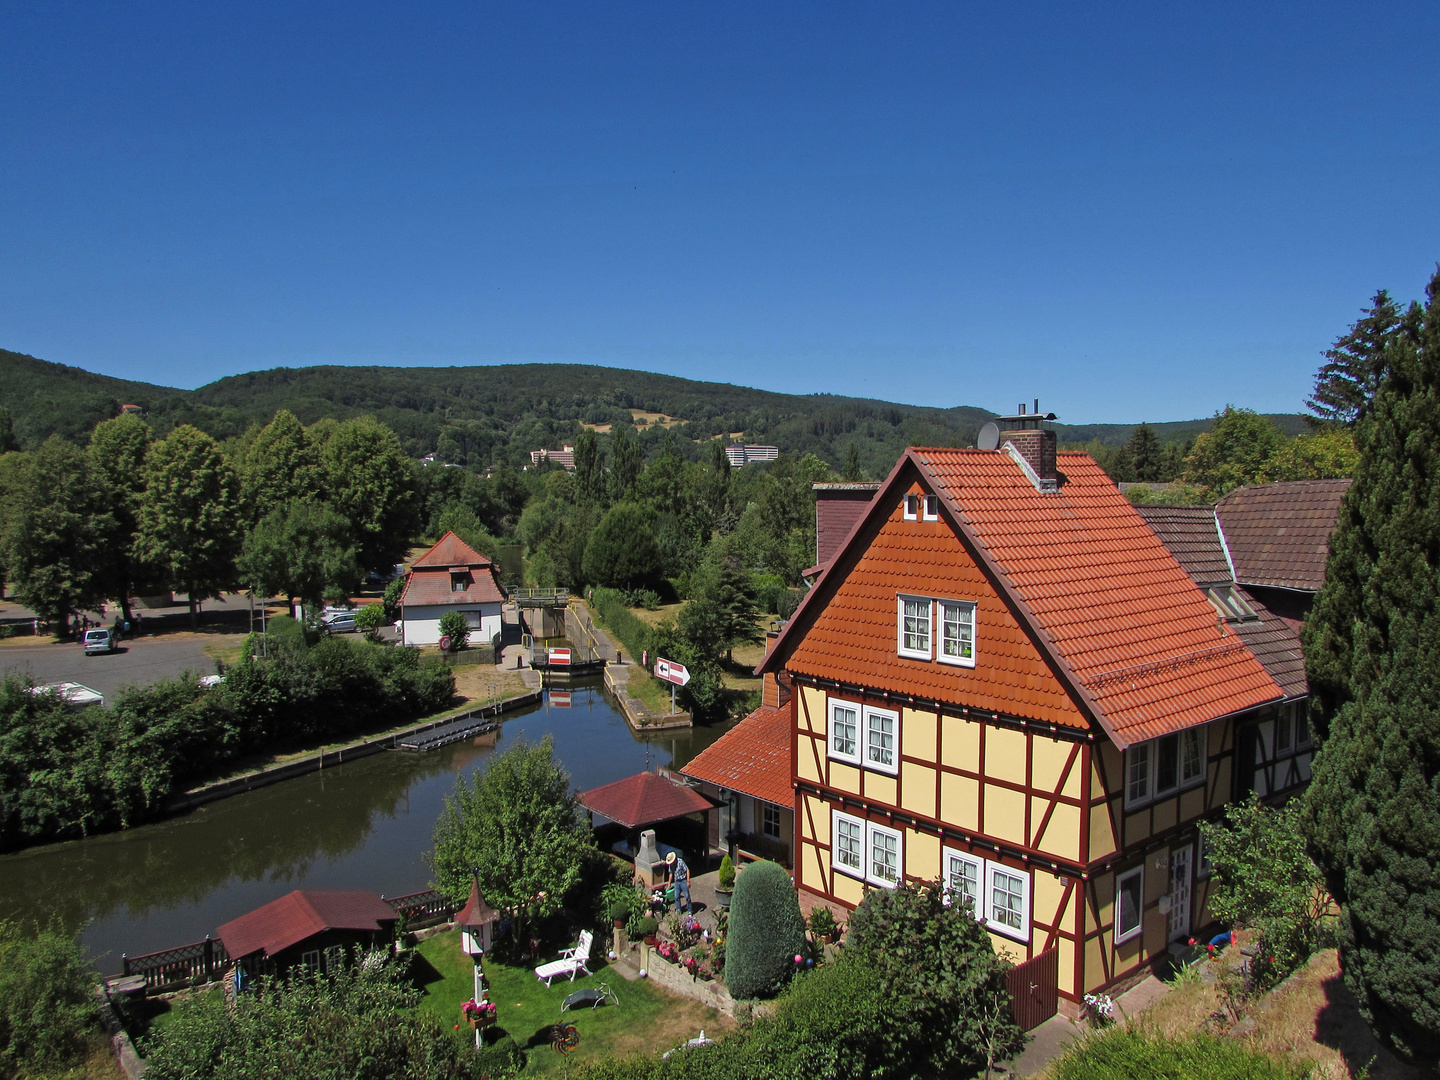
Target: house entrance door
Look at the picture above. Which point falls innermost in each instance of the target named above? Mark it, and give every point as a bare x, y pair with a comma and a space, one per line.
1180, 893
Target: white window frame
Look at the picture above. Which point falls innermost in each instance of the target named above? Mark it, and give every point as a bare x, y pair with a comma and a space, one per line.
930, 508
1122, 935
979, 864
857, 757
901, 600
1148, 752
965, 607
840, 867
1200, 736
912, 507
1022, 932
1133, 756
872, 715
871, 830
310, 960
768, 811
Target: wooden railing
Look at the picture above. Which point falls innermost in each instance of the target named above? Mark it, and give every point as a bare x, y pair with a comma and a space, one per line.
422, 909
204, 960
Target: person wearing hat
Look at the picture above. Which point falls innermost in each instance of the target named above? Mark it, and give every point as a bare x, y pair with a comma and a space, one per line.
680, 877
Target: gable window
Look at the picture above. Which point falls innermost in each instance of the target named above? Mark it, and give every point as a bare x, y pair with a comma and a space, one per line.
845, 731
965, 880
1129, 903
912, 507
882, 749
1165, 765
1008, 911
884, 868
914, 636
931, 508
1137, 783
770, 821
849, 834
957, 633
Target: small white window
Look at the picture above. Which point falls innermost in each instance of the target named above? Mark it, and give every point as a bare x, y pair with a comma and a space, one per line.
885, 855
770, 821
964, 879
334, 959
913, 638
912, 507
847, 849
1192, 755
1137, 774
932, 508
1129, 903
844, 741
957, 633
882, 740
1008, 910
310, 960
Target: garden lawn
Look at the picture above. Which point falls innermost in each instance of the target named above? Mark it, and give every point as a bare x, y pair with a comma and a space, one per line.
647, 1020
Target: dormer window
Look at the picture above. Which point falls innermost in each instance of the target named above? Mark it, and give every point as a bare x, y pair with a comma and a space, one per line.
1229, 604
922, 508
912, 507
460, 578
931, 511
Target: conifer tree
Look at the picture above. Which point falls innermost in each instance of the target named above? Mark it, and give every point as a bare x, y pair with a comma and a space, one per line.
1372, 652
1145, 454
1354, 365
627, 458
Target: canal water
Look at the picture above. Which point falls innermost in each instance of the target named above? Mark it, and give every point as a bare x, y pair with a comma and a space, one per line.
362, 825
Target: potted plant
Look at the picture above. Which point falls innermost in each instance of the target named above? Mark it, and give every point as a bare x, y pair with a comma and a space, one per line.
479, 1014
647, 928
619, 912
823, 926
725, 884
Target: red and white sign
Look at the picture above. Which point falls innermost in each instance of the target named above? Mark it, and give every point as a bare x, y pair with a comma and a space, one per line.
671, 672
560, 699
559, 657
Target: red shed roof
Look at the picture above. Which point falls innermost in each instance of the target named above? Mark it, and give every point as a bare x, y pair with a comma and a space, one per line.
303, 914
1124, 628
644, 799
752, 758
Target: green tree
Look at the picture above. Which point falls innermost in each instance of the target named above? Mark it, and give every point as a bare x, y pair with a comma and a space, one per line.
47, 1004
622, 552
391, 600
1355, 364
454, 626
1372, 655
118, 449
304, 550
518, 822
724, 612
372, 484
279, 467
589, 470
938, 960
853, 470
767, 931
1146, 457
8, 442
56, 527
1234, 452
1326, 454
188, 521
627, 458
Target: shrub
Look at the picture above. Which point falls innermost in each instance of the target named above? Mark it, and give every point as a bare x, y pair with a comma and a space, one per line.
822, 923
1131, 1055
454, 626
766, 931
371, 617
391, 602
727, 873
46, 1007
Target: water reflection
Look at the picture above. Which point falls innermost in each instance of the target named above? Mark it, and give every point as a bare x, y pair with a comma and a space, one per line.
364, 824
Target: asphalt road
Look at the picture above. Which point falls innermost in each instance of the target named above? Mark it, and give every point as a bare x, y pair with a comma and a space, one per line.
142, 660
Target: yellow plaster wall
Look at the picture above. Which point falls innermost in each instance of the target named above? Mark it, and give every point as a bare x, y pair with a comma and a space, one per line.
1095, 950
849, 890
1166, 814
1005, 814
1005, 754
1047, 762
1102, 837
819, 813
960, 801
1192, 803
961, 743
882, 788
1067, 967
922, 855
1047, 891
814, 870
1062, 834
1114, 762
918, 785
844, 777
1006, 946
917, 730
815, 703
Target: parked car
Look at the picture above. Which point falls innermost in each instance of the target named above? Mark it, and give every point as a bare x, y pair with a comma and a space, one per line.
341, 622
98, 641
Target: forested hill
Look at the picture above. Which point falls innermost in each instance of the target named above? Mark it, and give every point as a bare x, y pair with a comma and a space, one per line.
482, 415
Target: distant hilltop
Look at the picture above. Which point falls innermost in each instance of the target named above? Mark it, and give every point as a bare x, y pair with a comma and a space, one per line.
484, 415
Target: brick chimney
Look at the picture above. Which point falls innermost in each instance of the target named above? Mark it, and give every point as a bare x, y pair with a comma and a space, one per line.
1031, 444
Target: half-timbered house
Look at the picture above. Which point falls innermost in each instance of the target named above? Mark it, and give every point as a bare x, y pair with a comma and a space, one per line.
1004, 680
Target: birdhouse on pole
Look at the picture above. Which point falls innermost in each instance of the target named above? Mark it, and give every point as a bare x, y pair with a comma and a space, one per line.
477, 923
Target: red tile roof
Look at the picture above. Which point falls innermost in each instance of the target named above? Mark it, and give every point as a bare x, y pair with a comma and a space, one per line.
752, 758
476, 911
450, 551
1074, 579
644, 799
837, 508
300, 915
429, 583
1279, 534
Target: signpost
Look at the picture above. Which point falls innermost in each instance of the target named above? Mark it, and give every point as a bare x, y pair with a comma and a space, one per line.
673, 673
559, 657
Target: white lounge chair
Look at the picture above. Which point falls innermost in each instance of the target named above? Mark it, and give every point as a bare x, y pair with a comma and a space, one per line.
572, 961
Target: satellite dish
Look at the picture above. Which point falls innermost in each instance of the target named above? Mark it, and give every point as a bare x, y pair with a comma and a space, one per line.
989, 437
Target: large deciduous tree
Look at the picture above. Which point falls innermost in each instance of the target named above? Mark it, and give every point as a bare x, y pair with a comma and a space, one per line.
118, 449
621, 551
278, 466
1233, 452
1372, 654
519, 824
372, 484
303, 550
1354, 365
189, 519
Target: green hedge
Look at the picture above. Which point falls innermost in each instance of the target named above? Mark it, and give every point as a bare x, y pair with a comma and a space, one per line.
767, 931
609, 605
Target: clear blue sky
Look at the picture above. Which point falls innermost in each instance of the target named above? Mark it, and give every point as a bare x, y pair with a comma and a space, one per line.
1132, 211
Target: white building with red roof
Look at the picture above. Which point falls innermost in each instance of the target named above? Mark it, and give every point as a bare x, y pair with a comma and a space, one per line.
451, 576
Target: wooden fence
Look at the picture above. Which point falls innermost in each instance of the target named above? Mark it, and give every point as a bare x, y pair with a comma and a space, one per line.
1035, 989
422, 909
203, 960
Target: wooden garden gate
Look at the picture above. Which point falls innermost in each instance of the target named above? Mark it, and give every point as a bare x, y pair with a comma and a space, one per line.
1035, 989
